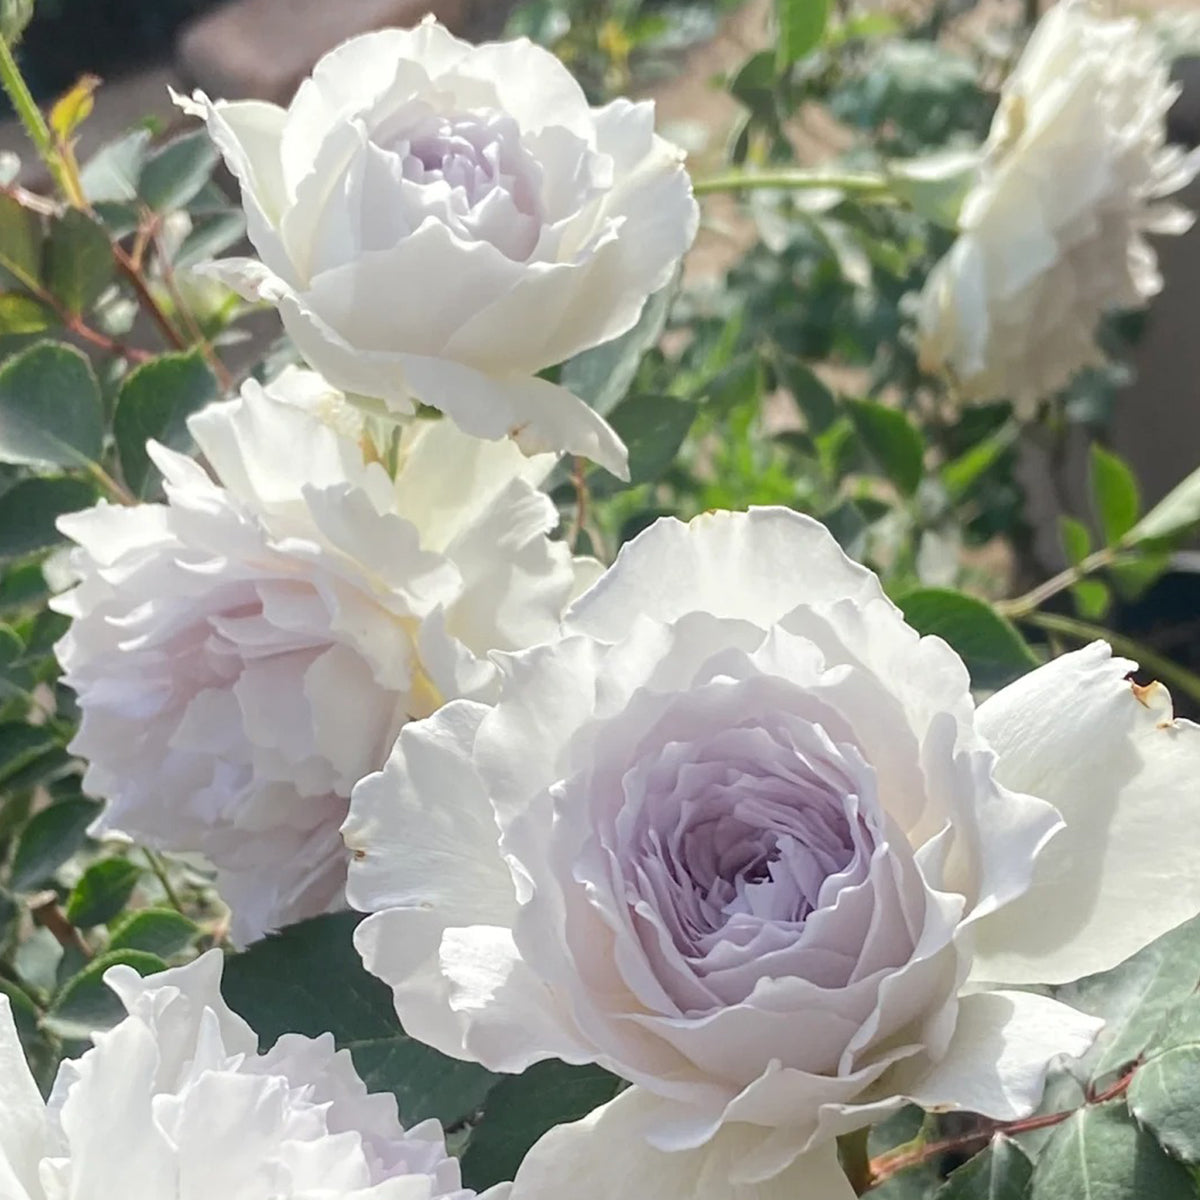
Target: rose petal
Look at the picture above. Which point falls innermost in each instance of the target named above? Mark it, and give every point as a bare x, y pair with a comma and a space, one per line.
1122, 772
606, 1155
23, 1127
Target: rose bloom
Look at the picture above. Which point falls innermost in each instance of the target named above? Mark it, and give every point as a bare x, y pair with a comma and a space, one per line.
438, 222
176, 1101
742, 837
245, 652
1052, 235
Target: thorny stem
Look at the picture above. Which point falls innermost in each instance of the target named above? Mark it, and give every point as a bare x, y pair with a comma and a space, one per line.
34, 123
886, 1165
146, 298
861, 183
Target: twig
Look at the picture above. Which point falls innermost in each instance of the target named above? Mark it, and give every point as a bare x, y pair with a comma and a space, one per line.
51, 917
160, 873
1036, 597
579, 479
146, 298
861, 183
895, 1161
224, 379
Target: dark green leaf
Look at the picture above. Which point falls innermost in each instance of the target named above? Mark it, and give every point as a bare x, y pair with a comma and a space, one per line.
521, 1108
79, 261
50, 408
155, 401
174, 173
893, 441
20, 243
24, 314
30, 508
102, 891
20, 744
801, 25
603, 375
989, 644
1114, 495
110, 175
1001, 1172
86, 1006
50, 838
1165, 1093
282, 984
1076, 541
161, 931
11, 646
814, 398
1100, 1154
653, 427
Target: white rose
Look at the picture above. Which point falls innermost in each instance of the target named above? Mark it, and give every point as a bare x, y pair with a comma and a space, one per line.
438, 222
244, 653
742, 838
176, 1101
1052, 235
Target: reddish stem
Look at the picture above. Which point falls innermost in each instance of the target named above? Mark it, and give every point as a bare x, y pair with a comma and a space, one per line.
892, 1163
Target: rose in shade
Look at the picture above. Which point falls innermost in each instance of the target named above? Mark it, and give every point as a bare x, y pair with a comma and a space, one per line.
245, 652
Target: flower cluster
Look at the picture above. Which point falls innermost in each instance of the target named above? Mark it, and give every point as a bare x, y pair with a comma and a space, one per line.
1053, 233
716, 819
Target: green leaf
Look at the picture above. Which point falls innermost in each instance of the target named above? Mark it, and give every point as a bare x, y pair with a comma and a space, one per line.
24, 314
893, 441
801, 25
814, 398
603, 376
1100, 1154
174, 173
1092, 598
102, 892
79, 261
20, 243
110, 175
30, 508
51, 837
1001, 1172
960, 475
653, 428
161, 931
1076, 541
11, 646
86, 1005
521, 1108
1114, 494
50, 408
282, 984
20, 744
1178, 510
72, 108
155, 401
989, 644
1165, 1093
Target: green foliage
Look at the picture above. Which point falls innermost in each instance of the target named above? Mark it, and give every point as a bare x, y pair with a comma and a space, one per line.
801, 23
51, 414
49, 840
31, 507
521, 1108
990, 646
155, 402
102, 892
86, 1005
282, 985
160, 931
78, 261
1114, 494
1001, 1172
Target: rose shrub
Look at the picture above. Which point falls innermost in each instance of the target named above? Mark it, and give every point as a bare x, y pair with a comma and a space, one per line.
742, 838
438, 222
244, 653
177, 1101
